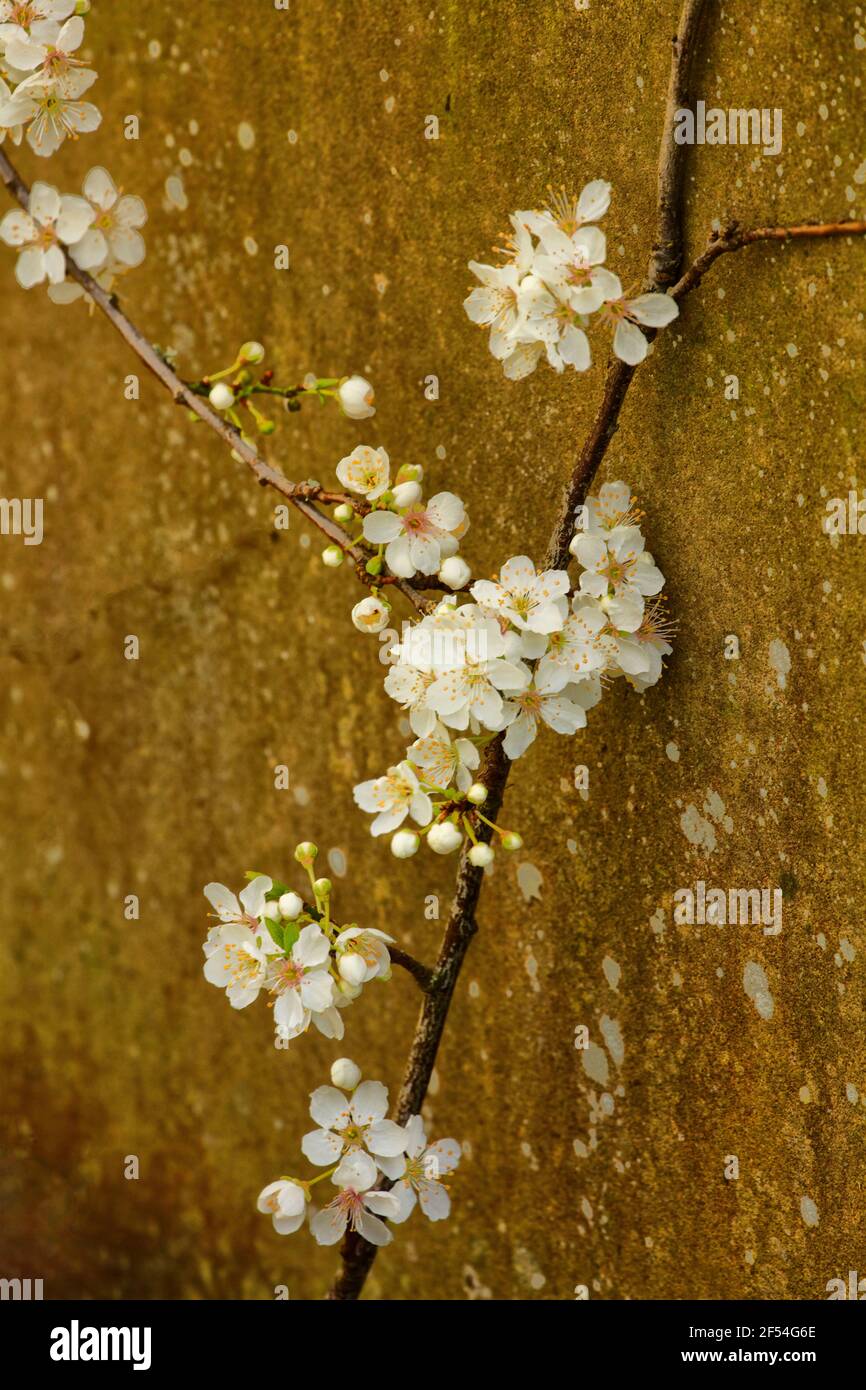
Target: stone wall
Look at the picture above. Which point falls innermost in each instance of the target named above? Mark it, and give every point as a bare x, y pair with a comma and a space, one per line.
607, 1167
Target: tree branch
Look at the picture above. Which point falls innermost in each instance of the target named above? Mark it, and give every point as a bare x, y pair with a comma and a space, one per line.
357, 1254
422, 974
298, 494
734, 238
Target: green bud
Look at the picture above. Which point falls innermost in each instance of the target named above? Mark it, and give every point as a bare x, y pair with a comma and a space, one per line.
344, 513
512, 840
265, 426
332, 556
477, 794
252, 352
322, 887
306, 852
374, 566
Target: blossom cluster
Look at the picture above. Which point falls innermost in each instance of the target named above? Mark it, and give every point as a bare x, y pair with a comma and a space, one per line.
541, 299
359, 1147
524, 652
41, 80
231, 390
99, 231
267, 938
409, 535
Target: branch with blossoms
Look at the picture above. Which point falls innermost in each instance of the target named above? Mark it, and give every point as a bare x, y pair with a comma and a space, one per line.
480, 671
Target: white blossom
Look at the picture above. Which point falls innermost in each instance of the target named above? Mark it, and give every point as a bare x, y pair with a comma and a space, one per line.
355, 1205
349, 1124
45, 55
546, 319
442, 761
239, 949
51, 110
114, 233
286, 1202
617, 564
365, 470
544, 700
623, 315
301, 982
426, 1165
392, 797
366, 949
580, 649
494, 304
51, 223
418, 539
535, 602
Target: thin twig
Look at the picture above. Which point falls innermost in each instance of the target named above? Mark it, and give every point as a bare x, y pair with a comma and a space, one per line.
734, 238
422, 974
298, 494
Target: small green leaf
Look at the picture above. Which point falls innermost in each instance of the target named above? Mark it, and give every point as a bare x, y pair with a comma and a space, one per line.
277, 931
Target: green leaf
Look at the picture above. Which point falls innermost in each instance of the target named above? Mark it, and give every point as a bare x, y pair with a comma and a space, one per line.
291, 932
276, 892
277, 931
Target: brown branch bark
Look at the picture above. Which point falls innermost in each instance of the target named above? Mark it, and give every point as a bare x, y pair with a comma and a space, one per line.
298, 494
734, 238
422, 974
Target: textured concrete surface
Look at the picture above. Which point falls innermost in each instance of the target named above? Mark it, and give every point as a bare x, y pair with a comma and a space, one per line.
604, 1168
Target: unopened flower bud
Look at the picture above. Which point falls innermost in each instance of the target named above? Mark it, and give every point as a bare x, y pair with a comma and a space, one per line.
406, 494
371, 615
352, 968
252, 352
322, 887
481, 856
272, 912
572, 545
291, 906
404, 844
374, 566
455, 572
356, 397
345, 1074
344, 513
221, 397
410, 473
332, 556
512, 840
444, 838
306, 852
477, 794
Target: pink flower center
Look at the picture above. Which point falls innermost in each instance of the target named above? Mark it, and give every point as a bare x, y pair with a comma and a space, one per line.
417, 522
287, 975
